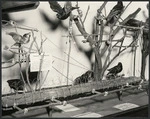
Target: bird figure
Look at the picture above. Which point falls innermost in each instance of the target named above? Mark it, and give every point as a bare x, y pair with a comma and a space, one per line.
84, 78
16, 84
116, 10
115, 70
133, 23
62, 13
19, 39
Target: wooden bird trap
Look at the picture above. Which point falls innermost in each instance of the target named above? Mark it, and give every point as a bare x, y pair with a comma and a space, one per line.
28, 48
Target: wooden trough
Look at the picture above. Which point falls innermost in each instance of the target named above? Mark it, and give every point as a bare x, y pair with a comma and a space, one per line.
10, 100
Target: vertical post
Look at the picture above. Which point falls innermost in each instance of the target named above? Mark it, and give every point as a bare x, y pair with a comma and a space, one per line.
70, 32
49, 110
134, 61
21, 75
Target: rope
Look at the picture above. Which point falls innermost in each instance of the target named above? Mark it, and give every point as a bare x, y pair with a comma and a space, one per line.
64, 51
50, 42
70, 63
61, 73
10, 65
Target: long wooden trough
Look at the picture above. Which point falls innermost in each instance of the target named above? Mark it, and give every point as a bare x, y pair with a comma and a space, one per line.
48, 94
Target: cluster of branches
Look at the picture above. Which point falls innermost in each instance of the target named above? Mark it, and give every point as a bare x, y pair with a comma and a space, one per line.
96, 41
27, 77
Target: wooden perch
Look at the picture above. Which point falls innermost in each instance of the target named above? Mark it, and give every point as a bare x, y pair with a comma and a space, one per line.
125, 46
35, 107
47, 94
144, 86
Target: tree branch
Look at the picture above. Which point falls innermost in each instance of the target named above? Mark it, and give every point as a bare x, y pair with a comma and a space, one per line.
89, 39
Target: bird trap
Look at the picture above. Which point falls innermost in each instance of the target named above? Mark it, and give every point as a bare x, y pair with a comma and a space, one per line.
89, 83
97, 88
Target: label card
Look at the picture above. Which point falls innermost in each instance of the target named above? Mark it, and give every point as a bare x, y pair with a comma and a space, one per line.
67, 108
44, 61
126, 106
88, 114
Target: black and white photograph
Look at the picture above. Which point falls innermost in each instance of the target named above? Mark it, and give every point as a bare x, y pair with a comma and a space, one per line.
74, 59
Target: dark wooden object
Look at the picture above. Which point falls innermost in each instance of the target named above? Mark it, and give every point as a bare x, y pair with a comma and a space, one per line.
16, 6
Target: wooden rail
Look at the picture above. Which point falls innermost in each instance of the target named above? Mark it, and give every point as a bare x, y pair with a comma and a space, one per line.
48, 94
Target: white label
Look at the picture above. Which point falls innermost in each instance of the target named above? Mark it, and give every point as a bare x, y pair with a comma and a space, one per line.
88, 114
67, 108
44, 61
126, 106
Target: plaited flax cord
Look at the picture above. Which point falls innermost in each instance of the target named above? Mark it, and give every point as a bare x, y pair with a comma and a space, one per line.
6, 101
70, 91
41, 95
33, 99
76, 89
66, 91
25, 98
81, 88
87, 87
97, 85
90, 87
57, 95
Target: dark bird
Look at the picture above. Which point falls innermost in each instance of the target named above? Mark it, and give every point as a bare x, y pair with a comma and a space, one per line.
116, 10
133, 23
115, 70
84, 78
19, 39
16, 84
62, 13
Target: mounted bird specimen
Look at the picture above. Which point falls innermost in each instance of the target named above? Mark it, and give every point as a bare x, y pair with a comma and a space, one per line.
16, 84
115, 70
62, 13
133, 23
19, 39
116, 10
84, 78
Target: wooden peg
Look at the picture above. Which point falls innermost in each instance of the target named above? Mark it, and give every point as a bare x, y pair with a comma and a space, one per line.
58, 101
25, 111
106, 93
94, 91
